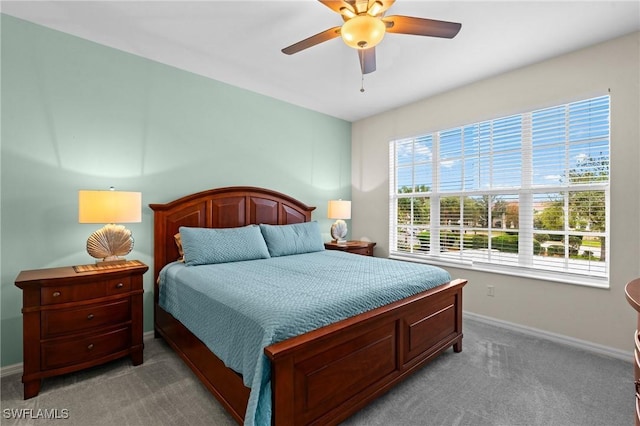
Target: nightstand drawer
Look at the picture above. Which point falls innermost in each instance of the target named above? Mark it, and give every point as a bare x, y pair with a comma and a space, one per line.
365, 251
71, 293
61, 321
119, 285
61, 353
63, 294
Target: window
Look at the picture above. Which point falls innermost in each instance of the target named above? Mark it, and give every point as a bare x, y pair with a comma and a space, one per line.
528, 193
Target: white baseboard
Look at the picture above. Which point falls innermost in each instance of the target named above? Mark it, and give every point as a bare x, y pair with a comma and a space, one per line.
558, 338
11, 369
17, 368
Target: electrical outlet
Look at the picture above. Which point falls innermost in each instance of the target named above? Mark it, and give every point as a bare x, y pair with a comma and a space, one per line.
491, 291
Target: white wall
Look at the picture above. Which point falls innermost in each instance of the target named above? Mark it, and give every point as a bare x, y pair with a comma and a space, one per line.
596, 315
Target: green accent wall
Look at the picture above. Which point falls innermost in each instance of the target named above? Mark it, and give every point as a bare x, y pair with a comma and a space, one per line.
79, 115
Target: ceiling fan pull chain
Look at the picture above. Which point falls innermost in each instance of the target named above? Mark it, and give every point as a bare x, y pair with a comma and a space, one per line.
361, 57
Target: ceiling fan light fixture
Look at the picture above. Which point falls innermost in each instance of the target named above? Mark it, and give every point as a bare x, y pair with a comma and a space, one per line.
345, 11
375, 8
363, 32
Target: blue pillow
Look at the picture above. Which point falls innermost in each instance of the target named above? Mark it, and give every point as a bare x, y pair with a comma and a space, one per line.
221, 245
299, 238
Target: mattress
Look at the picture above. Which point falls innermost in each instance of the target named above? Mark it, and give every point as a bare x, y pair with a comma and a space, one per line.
239, 308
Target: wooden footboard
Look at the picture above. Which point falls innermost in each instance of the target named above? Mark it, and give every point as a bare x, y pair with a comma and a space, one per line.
324, 376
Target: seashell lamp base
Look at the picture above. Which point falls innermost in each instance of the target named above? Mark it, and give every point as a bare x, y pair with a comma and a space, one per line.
109, 243
339, 231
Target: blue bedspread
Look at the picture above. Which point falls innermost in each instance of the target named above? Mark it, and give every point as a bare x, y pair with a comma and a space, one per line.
237, 309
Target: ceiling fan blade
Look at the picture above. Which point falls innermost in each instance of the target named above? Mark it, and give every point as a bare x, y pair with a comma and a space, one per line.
367, 59
421, 26
326, 35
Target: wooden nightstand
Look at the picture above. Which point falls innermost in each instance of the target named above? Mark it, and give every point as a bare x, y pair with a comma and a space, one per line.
358, 247
74, 320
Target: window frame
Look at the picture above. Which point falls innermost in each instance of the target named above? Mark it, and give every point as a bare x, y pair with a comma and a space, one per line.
527, 264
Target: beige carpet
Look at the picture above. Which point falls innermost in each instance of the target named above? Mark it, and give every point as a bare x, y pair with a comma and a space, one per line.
500, 378
161, 391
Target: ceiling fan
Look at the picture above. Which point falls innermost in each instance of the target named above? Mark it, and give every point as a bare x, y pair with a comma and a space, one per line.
365, 26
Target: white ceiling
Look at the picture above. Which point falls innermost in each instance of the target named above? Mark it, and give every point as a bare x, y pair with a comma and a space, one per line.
239, 42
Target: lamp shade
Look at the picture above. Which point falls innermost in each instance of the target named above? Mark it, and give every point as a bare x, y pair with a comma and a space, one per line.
109, 207
339, 209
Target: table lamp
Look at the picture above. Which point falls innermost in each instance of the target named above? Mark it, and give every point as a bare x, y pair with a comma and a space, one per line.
112, 241
340, 210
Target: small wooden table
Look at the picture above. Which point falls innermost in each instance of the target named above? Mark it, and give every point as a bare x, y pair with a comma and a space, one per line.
364, 248
74, 320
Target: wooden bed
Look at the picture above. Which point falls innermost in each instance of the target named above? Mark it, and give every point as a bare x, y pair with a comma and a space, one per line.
323, 376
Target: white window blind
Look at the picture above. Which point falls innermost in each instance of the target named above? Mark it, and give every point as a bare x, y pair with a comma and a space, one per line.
524, 192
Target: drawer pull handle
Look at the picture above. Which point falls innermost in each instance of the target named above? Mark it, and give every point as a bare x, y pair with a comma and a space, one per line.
637, 383
90, 346
119, 285
90, 316
56, 294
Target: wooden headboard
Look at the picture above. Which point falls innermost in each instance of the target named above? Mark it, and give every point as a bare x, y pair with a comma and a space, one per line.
220, 208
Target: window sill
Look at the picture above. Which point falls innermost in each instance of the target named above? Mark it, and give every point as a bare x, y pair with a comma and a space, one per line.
602, 283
